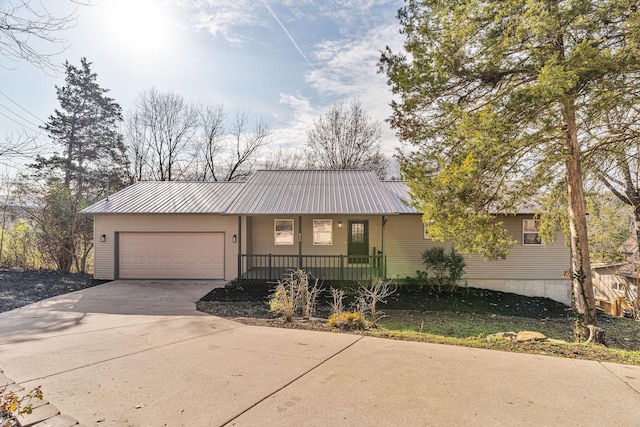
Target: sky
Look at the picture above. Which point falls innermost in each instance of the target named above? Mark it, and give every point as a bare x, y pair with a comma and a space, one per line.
283, 61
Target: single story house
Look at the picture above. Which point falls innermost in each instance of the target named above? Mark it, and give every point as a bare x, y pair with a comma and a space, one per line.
340, 225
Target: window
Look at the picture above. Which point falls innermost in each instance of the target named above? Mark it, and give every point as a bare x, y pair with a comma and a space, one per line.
357, 232
322, 232
283, 232
531, 232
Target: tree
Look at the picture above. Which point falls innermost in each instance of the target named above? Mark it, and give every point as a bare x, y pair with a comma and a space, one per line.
346, 139
93, 153
609, 224
159, 134
22, 24
614, 160
245, 145
496, 97
169, 139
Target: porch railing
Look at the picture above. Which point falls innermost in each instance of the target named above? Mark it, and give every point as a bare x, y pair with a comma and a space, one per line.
323, 267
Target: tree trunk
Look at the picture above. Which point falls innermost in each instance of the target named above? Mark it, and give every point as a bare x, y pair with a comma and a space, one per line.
581, 266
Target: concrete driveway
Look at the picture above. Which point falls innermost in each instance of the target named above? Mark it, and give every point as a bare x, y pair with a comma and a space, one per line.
138, 354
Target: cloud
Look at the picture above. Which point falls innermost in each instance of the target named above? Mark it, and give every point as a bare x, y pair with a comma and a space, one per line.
223, 19
291, 38
293, 126
347, 68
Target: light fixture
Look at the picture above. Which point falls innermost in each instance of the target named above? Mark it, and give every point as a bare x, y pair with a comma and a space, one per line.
340, 225
234, 238
103, 238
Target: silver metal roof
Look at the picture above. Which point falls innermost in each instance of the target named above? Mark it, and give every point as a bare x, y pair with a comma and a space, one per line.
292, 192
313, 192
169, 197
399, 194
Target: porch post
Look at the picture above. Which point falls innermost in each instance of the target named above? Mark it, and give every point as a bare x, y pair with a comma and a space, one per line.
239, 246
300, 242
383, 257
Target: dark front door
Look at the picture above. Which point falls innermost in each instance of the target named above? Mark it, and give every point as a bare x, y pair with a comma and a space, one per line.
359, 242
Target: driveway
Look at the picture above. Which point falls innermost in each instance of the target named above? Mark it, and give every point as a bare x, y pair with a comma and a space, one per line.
138, 354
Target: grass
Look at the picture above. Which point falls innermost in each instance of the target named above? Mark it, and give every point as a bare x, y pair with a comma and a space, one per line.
465, 317
569, 350
463, 325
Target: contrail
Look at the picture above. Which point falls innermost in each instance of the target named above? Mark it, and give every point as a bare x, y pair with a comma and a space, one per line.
273, 14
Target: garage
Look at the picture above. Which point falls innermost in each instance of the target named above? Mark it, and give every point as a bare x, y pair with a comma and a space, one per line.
168, 255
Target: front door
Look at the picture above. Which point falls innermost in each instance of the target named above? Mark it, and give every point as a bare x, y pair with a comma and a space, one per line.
358, 242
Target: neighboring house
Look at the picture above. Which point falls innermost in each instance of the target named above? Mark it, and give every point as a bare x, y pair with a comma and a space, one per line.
616, 284
340, 225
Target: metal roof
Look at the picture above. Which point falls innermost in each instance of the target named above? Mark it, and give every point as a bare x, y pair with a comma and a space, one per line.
313, 192
399, 194
292, 192
169, 197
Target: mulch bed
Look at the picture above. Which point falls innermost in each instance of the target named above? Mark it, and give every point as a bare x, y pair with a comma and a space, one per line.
249, 304
19, 288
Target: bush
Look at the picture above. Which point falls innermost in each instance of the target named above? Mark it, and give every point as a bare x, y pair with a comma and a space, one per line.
347, 321
11, 405
297, 293
337, 305
446, 270
369, 297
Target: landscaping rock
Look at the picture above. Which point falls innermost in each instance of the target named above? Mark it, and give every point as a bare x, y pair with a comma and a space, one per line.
507, 336
526, 336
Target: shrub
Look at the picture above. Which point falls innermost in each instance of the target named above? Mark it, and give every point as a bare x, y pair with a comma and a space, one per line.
369, 297
297, 292
446, 269
283, 300
347, 321
11, 405
337, 305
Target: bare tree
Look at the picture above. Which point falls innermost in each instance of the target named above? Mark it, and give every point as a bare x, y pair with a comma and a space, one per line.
212, 143
137, 147
245, 146
346, 138
159, 134
284, 159
26, 24
168, 139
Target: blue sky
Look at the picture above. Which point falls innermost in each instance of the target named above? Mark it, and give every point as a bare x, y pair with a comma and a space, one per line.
285, 61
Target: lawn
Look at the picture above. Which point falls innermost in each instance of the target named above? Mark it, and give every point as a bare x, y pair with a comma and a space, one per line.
463, 317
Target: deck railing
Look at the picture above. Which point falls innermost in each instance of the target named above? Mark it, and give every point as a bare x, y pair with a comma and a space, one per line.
323, 267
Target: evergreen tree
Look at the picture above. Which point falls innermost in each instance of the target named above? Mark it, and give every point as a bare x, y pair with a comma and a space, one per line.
496, 98
92, 155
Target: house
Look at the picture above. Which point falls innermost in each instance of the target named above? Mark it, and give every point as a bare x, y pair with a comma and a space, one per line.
340, 225
616, 284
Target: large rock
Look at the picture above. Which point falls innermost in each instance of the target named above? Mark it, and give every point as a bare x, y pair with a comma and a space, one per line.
526, 336
506, 336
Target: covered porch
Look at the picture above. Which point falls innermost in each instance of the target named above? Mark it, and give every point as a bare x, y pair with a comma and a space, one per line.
333, 248
328, 268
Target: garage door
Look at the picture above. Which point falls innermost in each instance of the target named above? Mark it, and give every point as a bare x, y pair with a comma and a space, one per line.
171, 256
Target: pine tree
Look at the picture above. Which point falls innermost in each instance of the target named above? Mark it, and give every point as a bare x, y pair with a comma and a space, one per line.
93, 153
496, 98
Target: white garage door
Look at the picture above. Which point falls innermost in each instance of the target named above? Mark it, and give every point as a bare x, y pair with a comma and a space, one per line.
171, 255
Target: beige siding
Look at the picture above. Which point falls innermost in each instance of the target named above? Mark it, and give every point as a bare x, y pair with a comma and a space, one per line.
104, 252
527, 270
405, 243
262, 236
